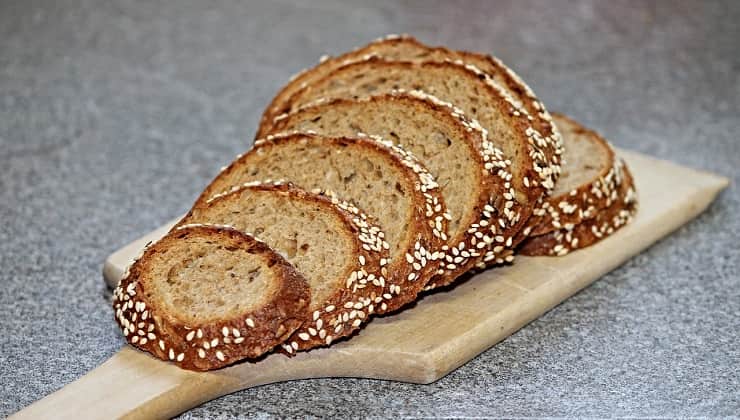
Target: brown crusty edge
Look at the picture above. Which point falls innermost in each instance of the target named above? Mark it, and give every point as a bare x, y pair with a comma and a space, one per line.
211, 345
466, 248
535, 181
589, 231
408, 275
583, 202
300, 80
365, 289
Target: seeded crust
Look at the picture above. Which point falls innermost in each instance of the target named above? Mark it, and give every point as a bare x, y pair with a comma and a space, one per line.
479, 98
405, 196
470, 188
574, 199
548, 142
588, 231
360, 289
209, 343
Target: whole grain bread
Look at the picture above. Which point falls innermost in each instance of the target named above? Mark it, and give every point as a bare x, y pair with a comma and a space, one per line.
382, 179
479, 98
471, 172
589, 231
407, 48
336, 247
205, 297
590, 181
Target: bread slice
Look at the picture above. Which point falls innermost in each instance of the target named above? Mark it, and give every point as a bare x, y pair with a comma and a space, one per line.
205, 297
590, 181
407, 48
335, 246
383, 180
469, 169
589, 231
478, 97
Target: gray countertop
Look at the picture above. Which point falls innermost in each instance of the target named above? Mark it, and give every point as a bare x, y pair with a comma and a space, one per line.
113, 115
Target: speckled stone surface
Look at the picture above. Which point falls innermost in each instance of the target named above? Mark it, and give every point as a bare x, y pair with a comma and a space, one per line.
113, 115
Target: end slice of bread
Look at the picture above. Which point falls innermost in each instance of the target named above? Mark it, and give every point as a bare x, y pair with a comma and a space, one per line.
336, 247
589, 231
205, 297
471, 172
383, 180
590, 181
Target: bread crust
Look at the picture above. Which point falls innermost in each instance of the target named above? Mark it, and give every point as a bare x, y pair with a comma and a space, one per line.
210, 345
464, 249
583, 202
301, 79
410, 272
589, 231
364, 290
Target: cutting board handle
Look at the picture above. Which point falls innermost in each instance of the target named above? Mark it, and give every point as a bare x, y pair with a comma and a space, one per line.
131, 384
134, 385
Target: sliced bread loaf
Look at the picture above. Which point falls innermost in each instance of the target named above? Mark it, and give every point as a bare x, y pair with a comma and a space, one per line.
478, 97
471, 172
339, 251
383, 180
589, 231
407, 48
205, 297
589, 182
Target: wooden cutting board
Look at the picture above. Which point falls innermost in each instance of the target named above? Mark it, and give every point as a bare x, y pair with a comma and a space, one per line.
421, 344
